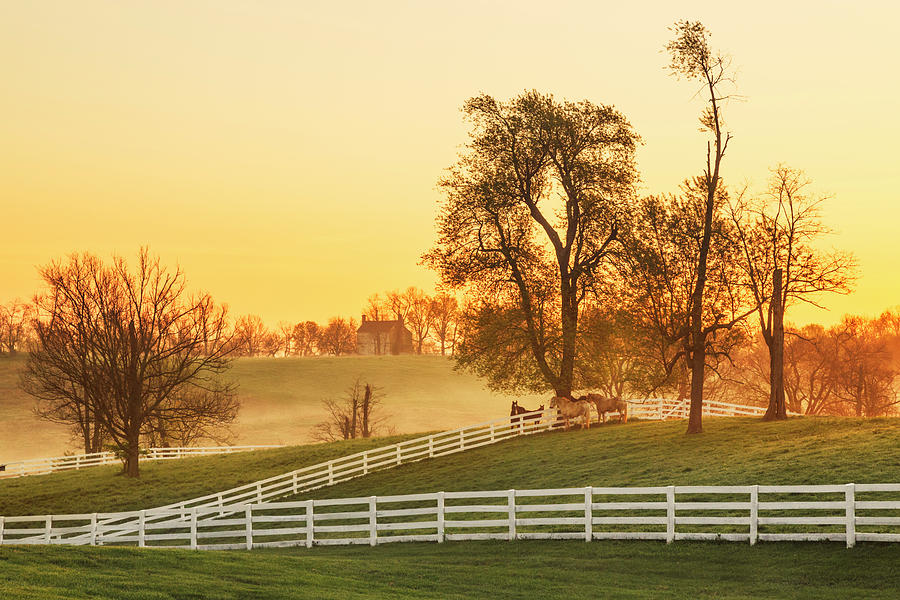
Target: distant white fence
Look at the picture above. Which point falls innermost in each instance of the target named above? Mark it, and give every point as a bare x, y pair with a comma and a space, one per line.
659, 409
847, 513
654, 409
42, 466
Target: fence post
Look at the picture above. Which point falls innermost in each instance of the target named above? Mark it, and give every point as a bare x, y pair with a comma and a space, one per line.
373, 521
659, 408
492, 433
365, 460
588, 513
294, 482
462, 440
850, 498
330, 472
49, 528
440, 517
670, 514
142, 521
194, 528
248, 521
94, 529
754, 514
259, 497
310, 520
430, 446
521, 426
511, 495
398, 454
2, 519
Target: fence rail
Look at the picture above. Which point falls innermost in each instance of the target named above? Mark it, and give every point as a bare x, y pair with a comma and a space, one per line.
42, 466
653, 409
848, 513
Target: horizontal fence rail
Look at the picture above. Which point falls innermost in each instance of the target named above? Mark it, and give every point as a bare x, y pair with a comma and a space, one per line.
652, 409
348, 467
847, 513
659, 409
42, 466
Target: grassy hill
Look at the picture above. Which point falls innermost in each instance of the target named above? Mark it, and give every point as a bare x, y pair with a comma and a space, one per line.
737, 451
730, 451
282, 399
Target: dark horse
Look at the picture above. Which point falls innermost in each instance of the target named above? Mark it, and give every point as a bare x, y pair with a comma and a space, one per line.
515, 409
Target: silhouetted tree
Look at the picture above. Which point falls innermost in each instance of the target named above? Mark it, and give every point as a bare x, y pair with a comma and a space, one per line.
15, 317
418, 316
693, 59
444, 309
131, 346
339, 337
783, 266
530, 212
357, 415
306, 337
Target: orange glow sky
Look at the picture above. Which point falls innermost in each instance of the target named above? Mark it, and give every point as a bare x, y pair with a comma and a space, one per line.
286, 153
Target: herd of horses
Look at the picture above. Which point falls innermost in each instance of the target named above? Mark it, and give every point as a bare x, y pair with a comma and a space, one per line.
577, 408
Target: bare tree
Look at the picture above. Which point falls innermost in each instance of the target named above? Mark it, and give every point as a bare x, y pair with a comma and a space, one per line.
339, 337
15, 317
783, 265
306, 336
356, 415
130, 345
378, 308
249, 335
286, 337
418, 316
444, 309
863, 370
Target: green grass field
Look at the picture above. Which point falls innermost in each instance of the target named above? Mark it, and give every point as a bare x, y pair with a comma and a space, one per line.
282, 400
565, 570
731, 451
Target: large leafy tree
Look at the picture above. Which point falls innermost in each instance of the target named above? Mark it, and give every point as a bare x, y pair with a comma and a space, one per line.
531, 211
666, 240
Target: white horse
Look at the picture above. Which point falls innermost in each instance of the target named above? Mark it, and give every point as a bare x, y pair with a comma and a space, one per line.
572, 409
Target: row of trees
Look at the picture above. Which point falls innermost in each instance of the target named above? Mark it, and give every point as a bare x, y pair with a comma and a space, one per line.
306, 338
576, 277
432, 320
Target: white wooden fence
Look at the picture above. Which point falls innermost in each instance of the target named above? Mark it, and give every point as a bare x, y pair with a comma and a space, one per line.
848, 513
653, 409
659, 409
42, 466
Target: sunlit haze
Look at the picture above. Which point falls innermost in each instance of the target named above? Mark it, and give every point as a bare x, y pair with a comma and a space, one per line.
285, 154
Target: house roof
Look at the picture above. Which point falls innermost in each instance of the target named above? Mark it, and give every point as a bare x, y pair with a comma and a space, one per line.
379, 326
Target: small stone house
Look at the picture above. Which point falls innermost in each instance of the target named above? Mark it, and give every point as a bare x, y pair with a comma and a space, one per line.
383, 337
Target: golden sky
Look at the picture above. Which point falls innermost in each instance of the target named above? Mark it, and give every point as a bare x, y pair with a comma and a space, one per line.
286, 153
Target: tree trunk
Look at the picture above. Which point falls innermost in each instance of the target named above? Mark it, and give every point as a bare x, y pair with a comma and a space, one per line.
777, 410
132, 452
698, 372
569, 318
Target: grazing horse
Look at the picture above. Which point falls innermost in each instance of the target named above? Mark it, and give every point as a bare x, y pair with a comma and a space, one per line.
515, 409
606, 404
572, 409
